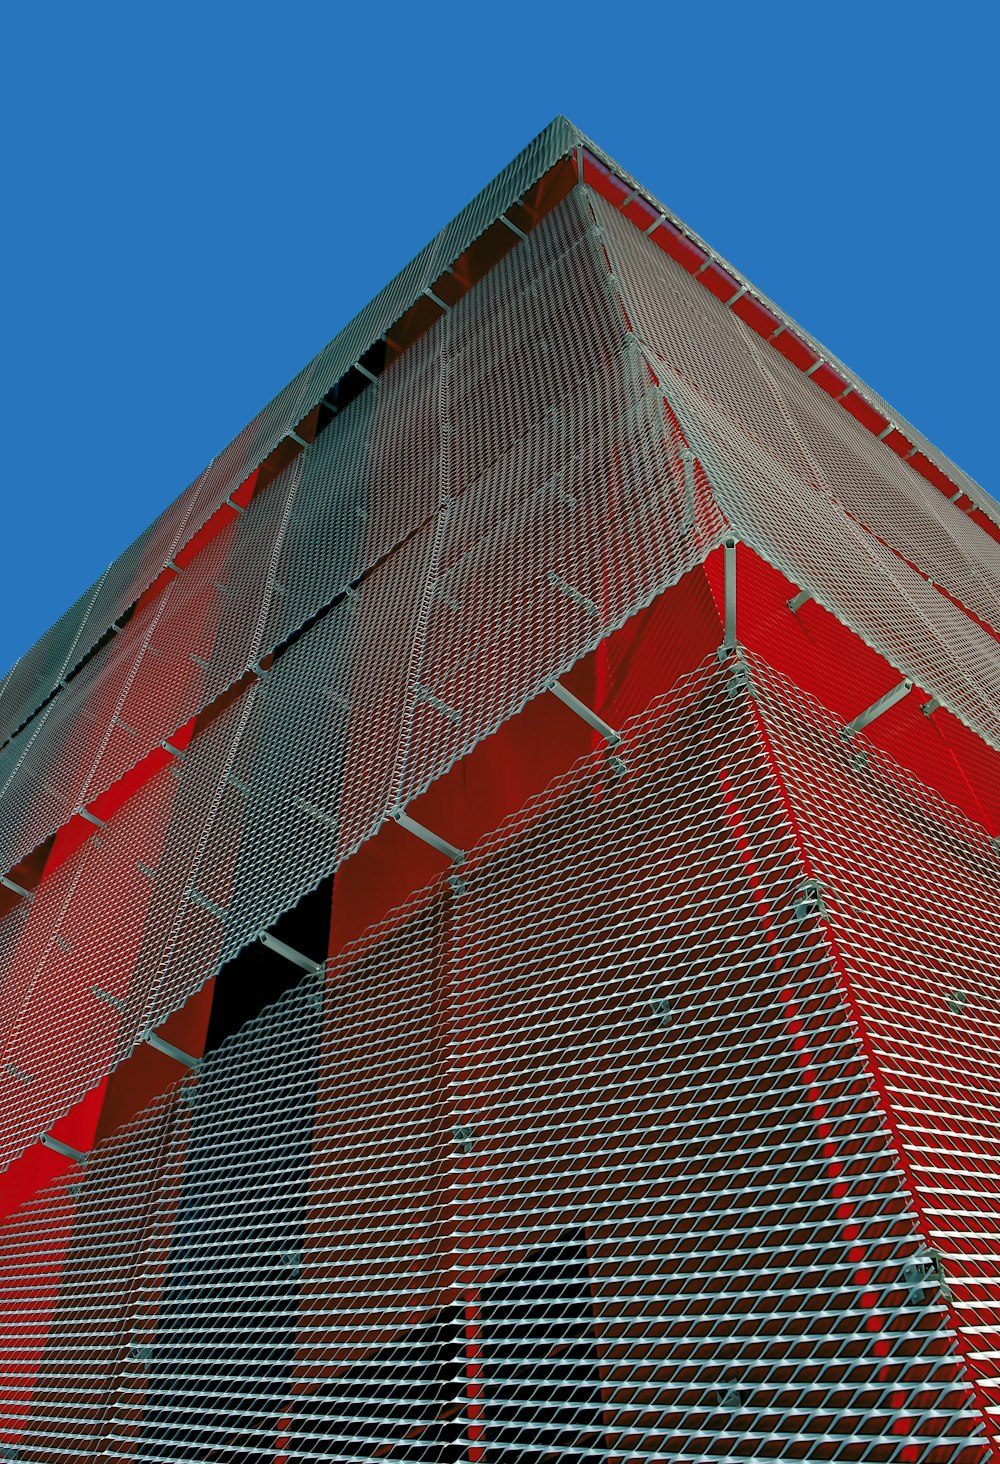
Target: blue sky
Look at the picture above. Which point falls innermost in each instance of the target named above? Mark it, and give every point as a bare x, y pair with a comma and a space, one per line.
201, 195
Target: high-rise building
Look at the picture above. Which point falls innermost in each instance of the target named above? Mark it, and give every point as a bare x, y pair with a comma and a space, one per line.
499, 958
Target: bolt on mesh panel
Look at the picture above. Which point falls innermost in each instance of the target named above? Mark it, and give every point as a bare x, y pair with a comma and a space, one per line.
796, 423
71, 1261
909, 890
581, 1158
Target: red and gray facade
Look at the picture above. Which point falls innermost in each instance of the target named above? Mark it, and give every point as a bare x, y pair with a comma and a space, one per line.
498, 941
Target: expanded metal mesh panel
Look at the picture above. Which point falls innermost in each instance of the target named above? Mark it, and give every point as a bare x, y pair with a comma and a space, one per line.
86, 1240
391, 304
41, 668
531, 403
796, 423
39, 672
879, 490
314, 772
174, 656
910, 890
213, 1344
595, 522
257, 440
817, 545
957, 476
82, 968
581, 1159
654, 1065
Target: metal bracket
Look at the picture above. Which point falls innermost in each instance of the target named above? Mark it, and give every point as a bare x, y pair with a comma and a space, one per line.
169, 1050
365, 372
91, 817
729, 641
930, 707
687, 460
662, 1010
289, 953
585, 713
16, 888
864, 719
809, 902
739, 681
235, 506
797, 601
117, 1002
513, 227
66, 1150
923, 1271
436, 299
573, 593
457, 856
296, 438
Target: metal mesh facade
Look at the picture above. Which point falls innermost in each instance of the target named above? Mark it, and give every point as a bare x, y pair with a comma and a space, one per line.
493, 969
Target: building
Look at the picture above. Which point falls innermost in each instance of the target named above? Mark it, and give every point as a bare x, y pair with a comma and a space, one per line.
499, 952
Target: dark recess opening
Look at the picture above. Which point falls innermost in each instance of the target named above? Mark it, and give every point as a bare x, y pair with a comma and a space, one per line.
257, 977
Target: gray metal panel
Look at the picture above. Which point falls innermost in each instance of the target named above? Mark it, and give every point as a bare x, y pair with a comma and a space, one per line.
593, 1130
962, 480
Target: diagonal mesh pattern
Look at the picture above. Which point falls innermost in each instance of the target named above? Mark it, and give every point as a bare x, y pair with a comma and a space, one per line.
513, 400
81, 973
910, 890
662, 1126
811, 539
611, 1180
785, 417
93, 1228
39, 671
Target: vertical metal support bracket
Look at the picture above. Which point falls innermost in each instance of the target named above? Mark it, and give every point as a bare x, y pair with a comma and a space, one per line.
169, 1050
585, 713
930, 707
864, 719
457, 856
687, 460
58, 1147
797, 601
729, 641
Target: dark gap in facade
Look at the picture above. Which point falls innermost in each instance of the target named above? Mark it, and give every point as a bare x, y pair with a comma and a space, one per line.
258, 976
